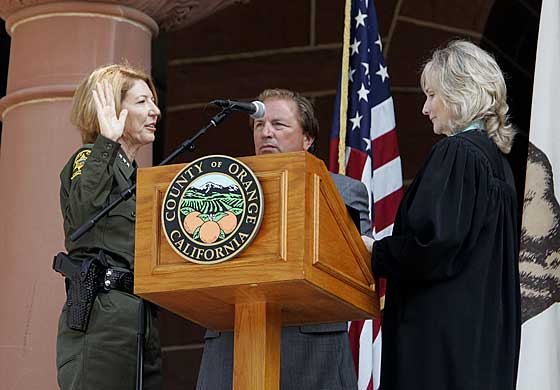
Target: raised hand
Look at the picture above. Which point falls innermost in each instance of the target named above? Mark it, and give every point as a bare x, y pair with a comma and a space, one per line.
110, 125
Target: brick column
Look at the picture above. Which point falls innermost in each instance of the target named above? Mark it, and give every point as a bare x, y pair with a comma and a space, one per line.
54, 46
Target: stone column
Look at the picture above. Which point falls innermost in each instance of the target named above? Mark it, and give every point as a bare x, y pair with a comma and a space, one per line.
54, 46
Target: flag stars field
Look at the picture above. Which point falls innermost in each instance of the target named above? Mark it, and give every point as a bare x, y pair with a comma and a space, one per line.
366, 68
379, 43
360, 18
356, 121
363, 93
382, 72
351, 75
367, 141
355, 47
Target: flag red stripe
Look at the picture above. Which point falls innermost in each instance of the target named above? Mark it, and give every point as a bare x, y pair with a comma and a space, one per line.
386, 209
354, 334
385, 149
356, 162
333, 155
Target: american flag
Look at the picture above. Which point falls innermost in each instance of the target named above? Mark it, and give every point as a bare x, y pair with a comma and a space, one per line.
371, 155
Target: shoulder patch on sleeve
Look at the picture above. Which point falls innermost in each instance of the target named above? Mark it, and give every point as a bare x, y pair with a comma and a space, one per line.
79, 162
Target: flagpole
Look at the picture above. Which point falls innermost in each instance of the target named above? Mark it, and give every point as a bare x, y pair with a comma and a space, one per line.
344, 89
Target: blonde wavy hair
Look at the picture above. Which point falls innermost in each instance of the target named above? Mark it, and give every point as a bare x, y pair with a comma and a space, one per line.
121, 77
472, 87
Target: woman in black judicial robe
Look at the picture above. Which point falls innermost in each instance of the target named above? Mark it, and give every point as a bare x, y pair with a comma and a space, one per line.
452, 309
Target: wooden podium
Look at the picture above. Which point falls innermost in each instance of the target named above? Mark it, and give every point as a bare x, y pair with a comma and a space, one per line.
307, 264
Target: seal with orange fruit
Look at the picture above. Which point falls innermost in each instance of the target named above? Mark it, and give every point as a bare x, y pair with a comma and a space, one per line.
212, 209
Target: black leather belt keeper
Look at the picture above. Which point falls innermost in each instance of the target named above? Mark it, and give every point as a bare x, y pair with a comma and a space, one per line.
118, 279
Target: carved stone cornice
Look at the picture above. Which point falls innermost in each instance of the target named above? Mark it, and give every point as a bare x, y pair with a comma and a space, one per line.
168, 14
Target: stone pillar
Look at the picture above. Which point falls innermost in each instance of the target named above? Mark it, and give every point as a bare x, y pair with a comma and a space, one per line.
54, 46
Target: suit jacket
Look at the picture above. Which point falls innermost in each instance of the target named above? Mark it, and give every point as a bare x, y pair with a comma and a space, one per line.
312, 356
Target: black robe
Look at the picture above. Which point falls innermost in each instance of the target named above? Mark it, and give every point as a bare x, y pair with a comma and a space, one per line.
452, 308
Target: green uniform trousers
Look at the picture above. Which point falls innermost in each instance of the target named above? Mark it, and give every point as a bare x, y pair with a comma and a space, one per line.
104, 357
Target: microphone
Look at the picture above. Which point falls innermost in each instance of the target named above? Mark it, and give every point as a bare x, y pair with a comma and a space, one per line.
255, 109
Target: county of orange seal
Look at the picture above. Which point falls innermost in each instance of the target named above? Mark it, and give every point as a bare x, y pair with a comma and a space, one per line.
212, 209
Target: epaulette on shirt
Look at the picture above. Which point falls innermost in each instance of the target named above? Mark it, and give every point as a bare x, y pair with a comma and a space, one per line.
79, 162
123, 159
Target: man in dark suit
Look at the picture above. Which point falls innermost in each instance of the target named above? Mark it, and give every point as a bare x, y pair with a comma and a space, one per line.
312, 357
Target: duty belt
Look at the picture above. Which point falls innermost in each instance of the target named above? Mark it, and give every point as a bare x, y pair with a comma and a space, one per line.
110, 278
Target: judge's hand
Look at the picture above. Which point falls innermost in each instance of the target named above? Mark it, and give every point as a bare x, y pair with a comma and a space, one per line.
368, 241
109, 125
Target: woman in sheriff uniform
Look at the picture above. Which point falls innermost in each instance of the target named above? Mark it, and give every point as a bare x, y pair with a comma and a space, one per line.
115, 109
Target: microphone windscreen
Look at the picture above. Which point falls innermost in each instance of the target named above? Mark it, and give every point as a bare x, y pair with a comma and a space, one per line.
260, 111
